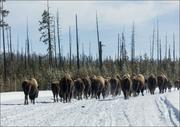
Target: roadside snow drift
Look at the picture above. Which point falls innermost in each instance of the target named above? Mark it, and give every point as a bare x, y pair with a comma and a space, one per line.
148, 110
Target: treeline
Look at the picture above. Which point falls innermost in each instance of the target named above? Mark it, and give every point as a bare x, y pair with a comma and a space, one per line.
24, 64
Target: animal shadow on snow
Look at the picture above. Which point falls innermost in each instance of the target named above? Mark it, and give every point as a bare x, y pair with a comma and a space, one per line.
110, 99
12, 104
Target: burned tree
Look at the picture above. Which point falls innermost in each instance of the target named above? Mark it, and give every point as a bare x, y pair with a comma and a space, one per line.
3, 24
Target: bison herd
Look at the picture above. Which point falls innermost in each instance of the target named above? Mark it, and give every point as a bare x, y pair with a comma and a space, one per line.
96, 86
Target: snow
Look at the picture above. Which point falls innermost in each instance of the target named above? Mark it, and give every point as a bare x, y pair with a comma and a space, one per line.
147, 110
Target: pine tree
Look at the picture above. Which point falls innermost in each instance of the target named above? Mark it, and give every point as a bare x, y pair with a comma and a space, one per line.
47, 32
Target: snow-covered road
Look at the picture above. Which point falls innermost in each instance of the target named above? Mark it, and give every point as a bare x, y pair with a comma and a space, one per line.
148, 110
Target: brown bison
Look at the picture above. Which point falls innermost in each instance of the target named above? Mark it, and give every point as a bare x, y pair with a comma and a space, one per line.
78, 88
162, 83
126, 86
107, 86
138, 84
55, 90
115, 86
31, 88
98, 87
177, 84
87, 87
169, 85
151, 81
65, 88
118, 90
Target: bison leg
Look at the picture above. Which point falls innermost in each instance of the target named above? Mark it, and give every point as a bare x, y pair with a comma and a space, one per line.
57, 97
124, 94
33, 101
142, 90
26, 100
54, 97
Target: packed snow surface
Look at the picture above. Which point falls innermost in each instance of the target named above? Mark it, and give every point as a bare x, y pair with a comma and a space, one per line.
147, 110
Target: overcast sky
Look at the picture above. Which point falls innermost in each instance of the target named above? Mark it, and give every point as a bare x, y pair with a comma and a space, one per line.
114, 17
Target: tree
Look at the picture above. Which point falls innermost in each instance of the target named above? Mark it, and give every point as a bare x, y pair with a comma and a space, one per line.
132, 48
28, 43
153, 41
70, 47
77, 44
54, 32
118, 46
47, 32
58, 37
3, 24
99, 44
166, 47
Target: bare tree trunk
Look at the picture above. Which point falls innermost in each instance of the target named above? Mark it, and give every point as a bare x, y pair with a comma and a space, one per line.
28, 45
160, 51
118, 46
10, 41
132, 49
99, 44
77, 44
157, 48
153, 40
58, 36
70, 44
166, 48
55, 45
4, 47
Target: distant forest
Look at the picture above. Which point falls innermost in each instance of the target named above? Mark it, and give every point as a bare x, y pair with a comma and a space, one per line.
23, 64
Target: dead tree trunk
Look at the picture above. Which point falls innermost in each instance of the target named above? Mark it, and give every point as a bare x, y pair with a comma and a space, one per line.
70, 44
77, 45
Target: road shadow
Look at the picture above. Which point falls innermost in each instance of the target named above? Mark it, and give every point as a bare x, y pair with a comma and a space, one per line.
45, 102
11, 104
110, 99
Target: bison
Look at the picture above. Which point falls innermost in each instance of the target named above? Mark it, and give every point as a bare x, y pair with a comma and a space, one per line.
151, 81
87, 87
126, 86
78, 88
177, 84
162, 83
169, 85
31, 88
98, 87
65, 88
115, 86
55, 90
138, 84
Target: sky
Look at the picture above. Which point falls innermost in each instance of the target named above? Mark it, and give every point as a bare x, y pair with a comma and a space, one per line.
114, 17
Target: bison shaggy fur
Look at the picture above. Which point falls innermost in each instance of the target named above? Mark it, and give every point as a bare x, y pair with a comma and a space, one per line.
78, 88
31, 88
55, 90
138, 84
152, 83
66, 87
126, 86
162, 83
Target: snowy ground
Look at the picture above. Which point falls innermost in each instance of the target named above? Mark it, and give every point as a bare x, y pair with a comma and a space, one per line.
148, 110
